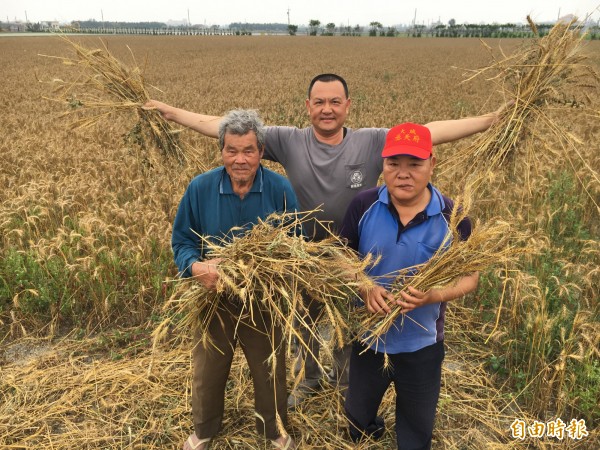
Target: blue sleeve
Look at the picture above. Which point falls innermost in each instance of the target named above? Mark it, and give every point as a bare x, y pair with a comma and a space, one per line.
185, 243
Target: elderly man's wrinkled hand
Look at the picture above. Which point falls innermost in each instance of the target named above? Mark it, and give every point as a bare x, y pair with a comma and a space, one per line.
206, 272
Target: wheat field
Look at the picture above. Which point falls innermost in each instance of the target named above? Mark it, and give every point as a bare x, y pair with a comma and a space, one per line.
86, 264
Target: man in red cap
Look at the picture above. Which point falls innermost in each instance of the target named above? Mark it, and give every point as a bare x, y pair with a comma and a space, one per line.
405, 223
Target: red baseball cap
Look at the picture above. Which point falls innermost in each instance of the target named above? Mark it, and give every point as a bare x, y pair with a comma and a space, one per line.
408, 139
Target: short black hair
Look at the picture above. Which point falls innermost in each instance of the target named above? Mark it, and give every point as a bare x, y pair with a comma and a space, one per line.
326, 77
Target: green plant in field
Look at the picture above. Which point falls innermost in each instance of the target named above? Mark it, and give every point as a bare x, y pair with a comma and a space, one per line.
548, 331
5, 295
497, 364
488, 295
119, 344
586, 391
35, 287
520, 379
565, 227
79, 287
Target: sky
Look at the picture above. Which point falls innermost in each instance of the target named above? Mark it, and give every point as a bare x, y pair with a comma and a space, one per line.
347, 12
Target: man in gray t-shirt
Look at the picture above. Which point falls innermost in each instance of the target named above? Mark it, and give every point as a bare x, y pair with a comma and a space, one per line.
327, 165
327, 177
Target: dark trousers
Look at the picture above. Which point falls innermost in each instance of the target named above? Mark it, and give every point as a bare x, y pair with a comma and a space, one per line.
417, 379
256, 336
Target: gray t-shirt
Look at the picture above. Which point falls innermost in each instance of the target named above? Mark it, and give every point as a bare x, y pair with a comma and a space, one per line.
327, 177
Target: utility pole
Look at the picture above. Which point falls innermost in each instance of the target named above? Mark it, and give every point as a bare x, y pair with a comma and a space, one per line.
189, 23
26, 19
288, 14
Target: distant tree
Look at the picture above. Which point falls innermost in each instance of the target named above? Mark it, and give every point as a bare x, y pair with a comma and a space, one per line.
452, 22
34, 27
95, 24
313, 26
417, 30
374, 27
357, 31
391, 32
292, 29
440, 30
330, 27
253, 26
346, 30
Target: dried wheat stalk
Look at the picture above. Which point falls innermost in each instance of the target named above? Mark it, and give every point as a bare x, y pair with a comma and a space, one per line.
273, 266
551, 70
105, 85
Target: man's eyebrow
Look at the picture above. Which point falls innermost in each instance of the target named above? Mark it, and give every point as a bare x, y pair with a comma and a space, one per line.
229, 146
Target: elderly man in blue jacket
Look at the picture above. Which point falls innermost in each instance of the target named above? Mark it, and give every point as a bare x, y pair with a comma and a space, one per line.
216, 205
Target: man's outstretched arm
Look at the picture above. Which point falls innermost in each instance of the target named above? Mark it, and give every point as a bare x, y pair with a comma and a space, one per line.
206, 125
443, 131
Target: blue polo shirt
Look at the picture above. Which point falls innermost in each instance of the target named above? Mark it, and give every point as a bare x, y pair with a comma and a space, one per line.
372, 225
210, 208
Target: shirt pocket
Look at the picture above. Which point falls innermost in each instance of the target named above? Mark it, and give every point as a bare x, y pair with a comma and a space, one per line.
425, 250
355, 175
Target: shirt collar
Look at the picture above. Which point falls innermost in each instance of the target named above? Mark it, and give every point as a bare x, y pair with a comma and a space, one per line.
226, 188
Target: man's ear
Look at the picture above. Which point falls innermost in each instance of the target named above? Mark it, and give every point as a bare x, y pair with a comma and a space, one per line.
433, 162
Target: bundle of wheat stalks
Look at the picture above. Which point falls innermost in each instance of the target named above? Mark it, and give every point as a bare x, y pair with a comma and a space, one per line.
104, 86
492, 244
550, 70
273, 266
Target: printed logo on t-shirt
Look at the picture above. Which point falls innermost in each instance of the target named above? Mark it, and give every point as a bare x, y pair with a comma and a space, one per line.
356, 179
